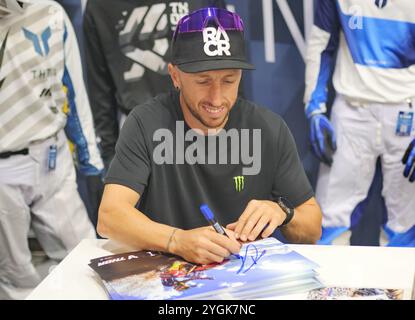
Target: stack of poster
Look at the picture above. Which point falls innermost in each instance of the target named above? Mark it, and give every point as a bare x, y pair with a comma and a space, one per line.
266, 268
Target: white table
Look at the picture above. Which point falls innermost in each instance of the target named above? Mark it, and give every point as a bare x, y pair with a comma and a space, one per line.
349, 266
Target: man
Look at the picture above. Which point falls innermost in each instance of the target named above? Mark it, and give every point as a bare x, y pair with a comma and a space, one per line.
126, 47
42, 97
372, 115
159, 165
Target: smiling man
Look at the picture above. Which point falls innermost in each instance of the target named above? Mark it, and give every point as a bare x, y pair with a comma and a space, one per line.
211, 110
202, 144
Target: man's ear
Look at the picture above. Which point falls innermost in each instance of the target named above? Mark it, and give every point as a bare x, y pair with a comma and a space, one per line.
174, 74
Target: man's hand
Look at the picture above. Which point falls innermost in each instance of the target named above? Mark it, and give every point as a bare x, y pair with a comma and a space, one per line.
259, 217
409, 161
323, 138
204, 245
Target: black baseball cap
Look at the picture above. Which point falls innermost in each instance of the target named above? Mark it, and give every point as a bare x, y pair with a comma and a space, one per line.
209, 39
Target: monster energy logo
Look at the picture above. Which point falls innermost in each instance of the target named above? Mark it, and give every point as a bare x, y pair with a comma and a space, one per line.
239, 183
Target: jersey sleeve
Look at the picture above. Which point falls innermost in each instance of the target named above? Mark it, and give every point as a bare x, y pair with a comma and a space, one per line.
101, 87
290, 180
321, 51
131, 165
79, 127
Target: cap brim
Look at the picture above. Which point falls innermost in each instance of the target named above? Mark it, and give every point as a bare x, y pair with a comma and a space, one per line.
208, 65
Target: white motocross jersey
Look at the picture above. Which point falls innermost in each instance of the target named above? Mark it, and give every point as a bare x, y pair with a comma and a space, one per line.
375, 45
41, 84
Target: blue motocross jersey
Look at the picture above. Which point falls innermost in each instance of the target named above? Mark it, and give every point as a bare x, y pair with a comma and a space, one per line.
375, 45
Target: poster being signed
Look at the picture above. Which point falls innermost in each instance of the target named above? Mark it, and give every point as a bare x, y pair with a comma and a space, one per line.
153, 275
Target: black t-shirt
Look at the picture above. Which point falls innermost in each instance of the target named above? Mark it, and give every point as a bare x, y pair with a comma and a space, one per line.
172, 193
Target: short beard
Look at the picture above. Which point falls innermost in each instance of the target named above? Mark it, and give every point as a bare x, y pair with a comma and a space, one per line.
198, 117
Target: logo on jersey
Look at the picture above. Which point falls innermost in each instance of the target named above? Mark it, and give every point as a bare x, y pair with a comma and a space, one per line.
2, 49
239, 183
46, 92
381, 3
145, 36
43, 74
216, 42
41, 44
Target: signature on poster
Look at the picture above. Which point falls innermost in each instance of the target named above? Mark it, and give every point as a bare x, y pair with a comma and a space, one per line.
248, 261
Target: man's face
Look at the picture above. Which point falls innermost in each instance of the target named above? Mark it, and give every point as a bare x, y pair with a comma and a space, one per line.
207, 97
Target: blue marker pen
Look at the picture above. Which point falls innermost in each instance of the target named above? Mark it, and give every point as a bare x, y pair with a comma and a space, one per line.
208, 214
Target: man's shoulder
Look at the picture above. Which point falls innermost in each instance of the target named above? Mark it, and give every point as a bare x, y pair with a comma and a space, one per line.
158, 110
